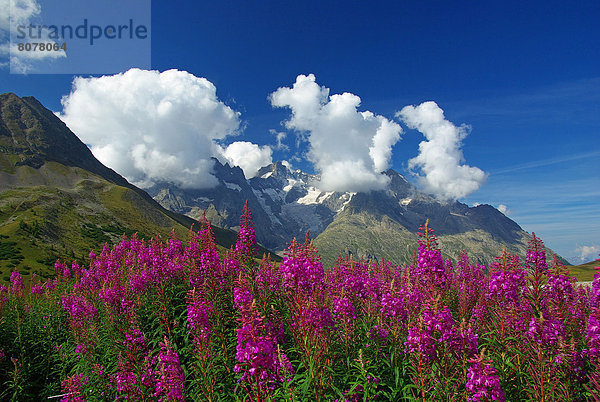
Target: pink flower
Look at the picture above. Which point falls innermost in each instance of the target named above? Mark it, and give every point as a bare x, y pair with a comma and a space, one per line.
593, 336
170, 385
199, 313
72, 388
506, 287
483, 382
78, 309
16, 283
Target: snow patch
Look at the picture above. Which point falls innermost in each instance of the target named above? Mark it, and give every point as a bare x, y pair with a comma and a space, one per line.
233, 186
314, 196
290, 185
347, 197
405, 201
266, 175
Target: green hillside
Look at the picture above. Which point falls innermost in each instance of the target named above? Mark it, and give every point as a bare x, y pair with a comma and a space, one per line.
584, 272
371, 236
41, 223
58, 201
363, 235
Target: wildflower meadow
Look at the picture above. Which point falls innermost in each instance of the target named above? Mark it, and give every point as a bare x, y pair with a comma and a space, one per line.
173, 321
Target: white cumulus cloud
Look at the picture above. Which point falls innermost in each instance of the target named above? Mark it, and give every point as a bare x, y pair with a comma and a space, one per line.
349, 148
504, 209
151, 126
14, 13
440, 164
588, 253
250, 157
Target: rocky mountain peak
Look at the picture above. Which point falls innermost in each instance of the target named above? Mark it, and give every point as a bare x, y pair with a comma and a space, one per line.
33, 135
275, 169
227, 173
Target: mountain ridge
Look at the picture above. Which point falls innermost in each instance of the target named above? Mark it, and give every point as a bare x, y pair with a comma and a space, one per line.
286, 204
64, 146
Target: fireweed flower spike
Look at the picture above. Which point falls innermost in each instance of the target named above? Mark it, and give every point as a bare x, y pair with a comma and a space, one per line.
170, 384
538, 269
72, 388
431, 269
301, 269
245, 247
260, 360
482, 381
16, 283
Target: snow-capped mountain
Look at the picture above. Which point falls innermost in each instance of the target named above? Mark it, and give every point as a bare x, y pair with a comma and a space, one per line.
283, 202
379, 224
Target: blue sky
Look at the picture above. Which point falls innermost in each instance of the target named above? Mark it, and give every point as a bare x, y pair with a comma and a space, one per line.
524, 76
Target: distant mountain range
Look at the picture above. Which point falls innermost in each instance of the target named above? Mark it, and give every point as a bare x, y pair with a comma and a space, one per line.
58, 201
378, 224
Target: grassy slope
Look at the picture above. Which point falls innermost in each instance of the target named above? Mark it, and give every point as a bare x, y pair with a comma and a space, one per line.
584, 272
366, 235
481, 246
39, 223
64, 212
